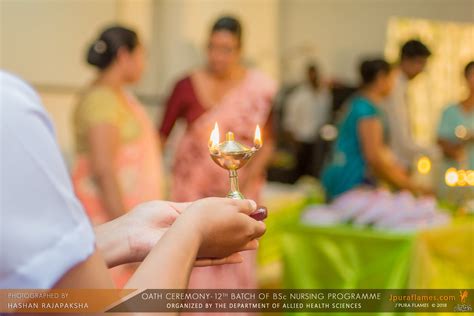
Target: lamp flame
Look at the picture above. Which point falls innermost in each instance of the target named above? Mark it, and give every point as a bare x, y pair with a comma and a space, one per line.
257, 140
214, 138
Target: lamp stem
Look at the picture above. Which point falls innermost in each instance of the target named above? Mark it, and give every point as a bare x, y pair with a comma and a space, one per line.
234, 186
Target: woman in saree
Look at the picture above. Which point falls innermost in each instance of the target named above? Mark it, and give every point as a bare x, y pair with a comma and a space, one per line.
237, 99
360, 156
456, 138
118, 163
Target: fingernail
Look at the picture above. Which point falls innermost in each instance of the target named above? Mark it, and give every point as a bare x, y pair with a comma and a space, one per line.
260, 214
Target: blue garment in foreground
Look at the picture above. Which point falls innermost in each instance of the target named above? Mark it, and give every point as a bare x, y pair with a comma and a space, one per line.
347, 167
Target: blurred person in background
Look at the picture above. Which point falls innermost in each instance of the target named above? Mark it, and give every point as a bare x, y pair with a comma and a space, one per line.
456, 129
117, 163
361, 155
118, 159
413, 58
307, 110
237, 98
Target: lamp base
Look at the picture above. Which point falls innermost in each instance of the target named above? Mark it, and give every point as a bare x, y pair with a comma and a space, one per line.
236, 195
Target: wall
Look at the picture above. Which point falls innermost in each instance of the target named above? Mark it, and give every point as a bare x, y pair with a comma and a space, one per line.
279, 34
340, 32
182, 28
45, 40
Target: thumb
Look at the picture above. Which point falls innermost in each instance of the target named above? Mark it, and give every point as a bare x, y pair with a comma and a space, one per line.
245, 206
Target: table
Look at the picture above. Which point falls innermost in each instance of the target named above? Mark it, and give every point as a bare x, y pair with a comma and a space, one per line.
345, 257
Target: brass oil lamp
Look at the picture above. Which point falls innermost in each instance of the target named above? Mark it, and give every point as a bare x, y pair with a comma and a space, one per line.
231, 156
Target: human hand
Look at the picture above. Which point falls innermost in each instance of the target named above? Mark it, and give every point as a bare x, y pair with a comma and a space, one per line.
211, 229
147, 223
130, 237
223, 225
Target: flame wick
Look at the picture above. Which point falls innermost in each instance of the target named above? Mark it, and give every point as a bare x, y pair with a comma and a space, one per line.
257, 140
214, 138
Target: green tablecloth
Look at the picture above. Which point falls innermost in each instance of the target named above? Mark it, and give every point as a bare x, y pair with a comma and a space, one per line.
341, 257
344, 257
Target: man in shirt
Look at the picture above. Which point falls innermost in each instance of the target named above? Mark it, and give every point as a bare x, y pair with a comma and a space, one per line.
307, 110
413, 57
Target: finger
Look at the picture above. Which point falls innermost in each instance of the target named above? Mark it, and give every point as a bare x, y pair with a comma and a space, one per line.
259, 229
203, 262
232, 259
251, 245
245, 206
179, 207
